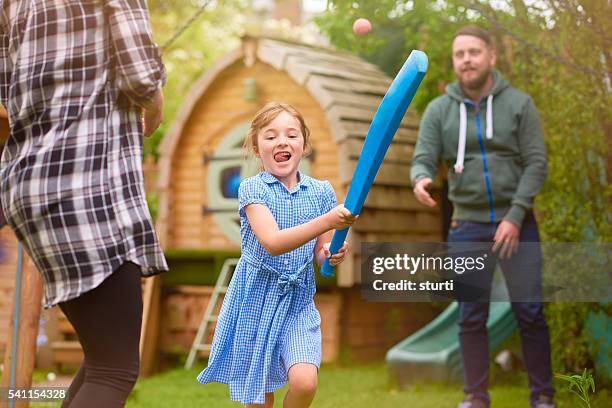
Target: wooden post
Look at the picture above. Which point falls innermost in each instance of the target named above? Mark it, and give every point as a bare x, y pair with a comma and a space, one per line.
150, 325
31, 296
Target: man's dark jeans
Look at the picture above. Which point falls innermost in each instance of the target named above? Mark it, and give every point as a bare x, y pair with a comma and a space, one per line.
473, 335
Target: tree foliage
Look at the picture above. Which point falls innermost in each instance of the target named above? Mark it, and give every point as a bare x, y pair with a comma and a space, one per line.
398, 28
210, 36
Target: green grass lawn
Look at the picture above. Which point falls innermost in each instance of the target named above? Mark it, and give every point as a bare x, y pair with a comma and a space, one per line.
353, 386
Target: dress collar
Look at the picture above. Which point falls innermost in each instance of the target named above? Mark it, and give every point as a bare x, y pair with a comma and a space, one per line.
270, 179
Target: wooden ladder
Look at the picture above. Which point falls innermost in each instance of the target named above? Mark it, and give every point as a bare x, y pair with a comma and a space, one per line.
199, 345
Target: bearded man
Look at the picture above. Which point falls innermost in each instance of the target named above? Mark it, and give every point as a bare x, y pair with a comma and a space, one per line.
489, 135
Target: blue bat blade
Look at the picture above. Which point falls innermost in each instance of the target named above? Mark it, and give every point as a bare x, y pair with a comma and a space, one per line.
384, 125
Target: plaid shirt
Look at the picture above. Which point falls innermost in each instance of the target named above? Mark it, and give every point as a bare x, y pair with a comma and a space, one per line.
72, 74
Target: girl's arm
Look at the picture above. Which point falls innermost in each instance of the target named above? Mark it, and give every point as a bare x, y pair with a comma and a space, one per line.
278, 242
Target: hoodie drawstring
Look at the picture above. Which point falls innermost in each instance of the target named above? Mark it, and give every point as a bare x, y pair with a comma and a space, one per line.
462, 135
490, 117
463, 131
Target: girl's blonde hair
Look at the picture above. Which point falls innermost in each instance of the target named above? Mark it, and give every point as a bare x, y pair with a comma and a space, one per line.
266, 115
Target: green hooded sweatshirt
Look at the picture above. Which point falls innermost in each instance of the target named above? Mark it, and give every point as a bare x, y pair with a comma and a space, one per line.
494, 151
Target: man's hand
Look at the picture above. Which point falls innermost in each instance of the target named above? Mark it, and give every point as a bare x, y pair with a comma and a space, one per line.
506, 239
153, 114
421, 193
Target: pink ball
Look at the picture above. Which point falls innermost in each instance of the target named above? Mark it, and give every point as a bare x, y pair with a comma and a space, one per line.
362, 26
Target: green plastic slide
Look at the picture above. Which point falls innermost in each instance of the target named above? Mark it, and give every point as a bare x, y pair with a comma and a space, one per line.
432, 353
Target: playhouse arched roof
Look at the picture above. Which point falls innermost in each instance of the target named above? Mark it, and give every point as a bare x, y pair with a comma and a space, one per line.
348, 88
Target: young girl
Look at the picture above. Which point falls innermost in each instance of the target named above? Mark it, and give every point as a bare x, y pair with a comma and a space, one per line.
268, 330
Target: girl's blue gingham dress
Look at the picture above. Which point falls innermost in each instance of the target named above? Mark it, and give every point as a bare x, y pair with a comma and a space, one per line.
268, 320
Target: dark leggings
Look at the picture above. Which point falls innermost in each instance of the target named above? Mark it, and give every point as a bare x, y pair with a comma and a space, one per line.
107, 321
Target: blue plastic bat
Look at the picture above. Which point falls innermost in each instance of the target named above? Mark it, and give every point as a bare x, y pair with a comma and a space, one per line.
384, 125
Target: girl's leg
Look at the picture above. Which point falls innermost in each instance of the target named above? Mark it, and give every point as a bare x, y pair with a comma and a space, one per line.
302, 385
107, 321
268, 404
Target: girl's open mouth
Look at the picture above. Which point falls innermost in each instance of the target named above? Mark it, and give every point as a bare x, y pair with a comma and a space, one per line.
282, 156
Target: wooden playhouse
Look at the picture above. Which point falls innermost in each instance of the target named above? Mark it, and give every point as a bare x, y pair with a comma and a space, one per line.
202, 161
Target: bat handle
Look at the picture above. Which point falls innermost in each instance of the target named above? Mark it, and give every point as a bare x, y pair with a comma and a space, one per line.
336, 243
